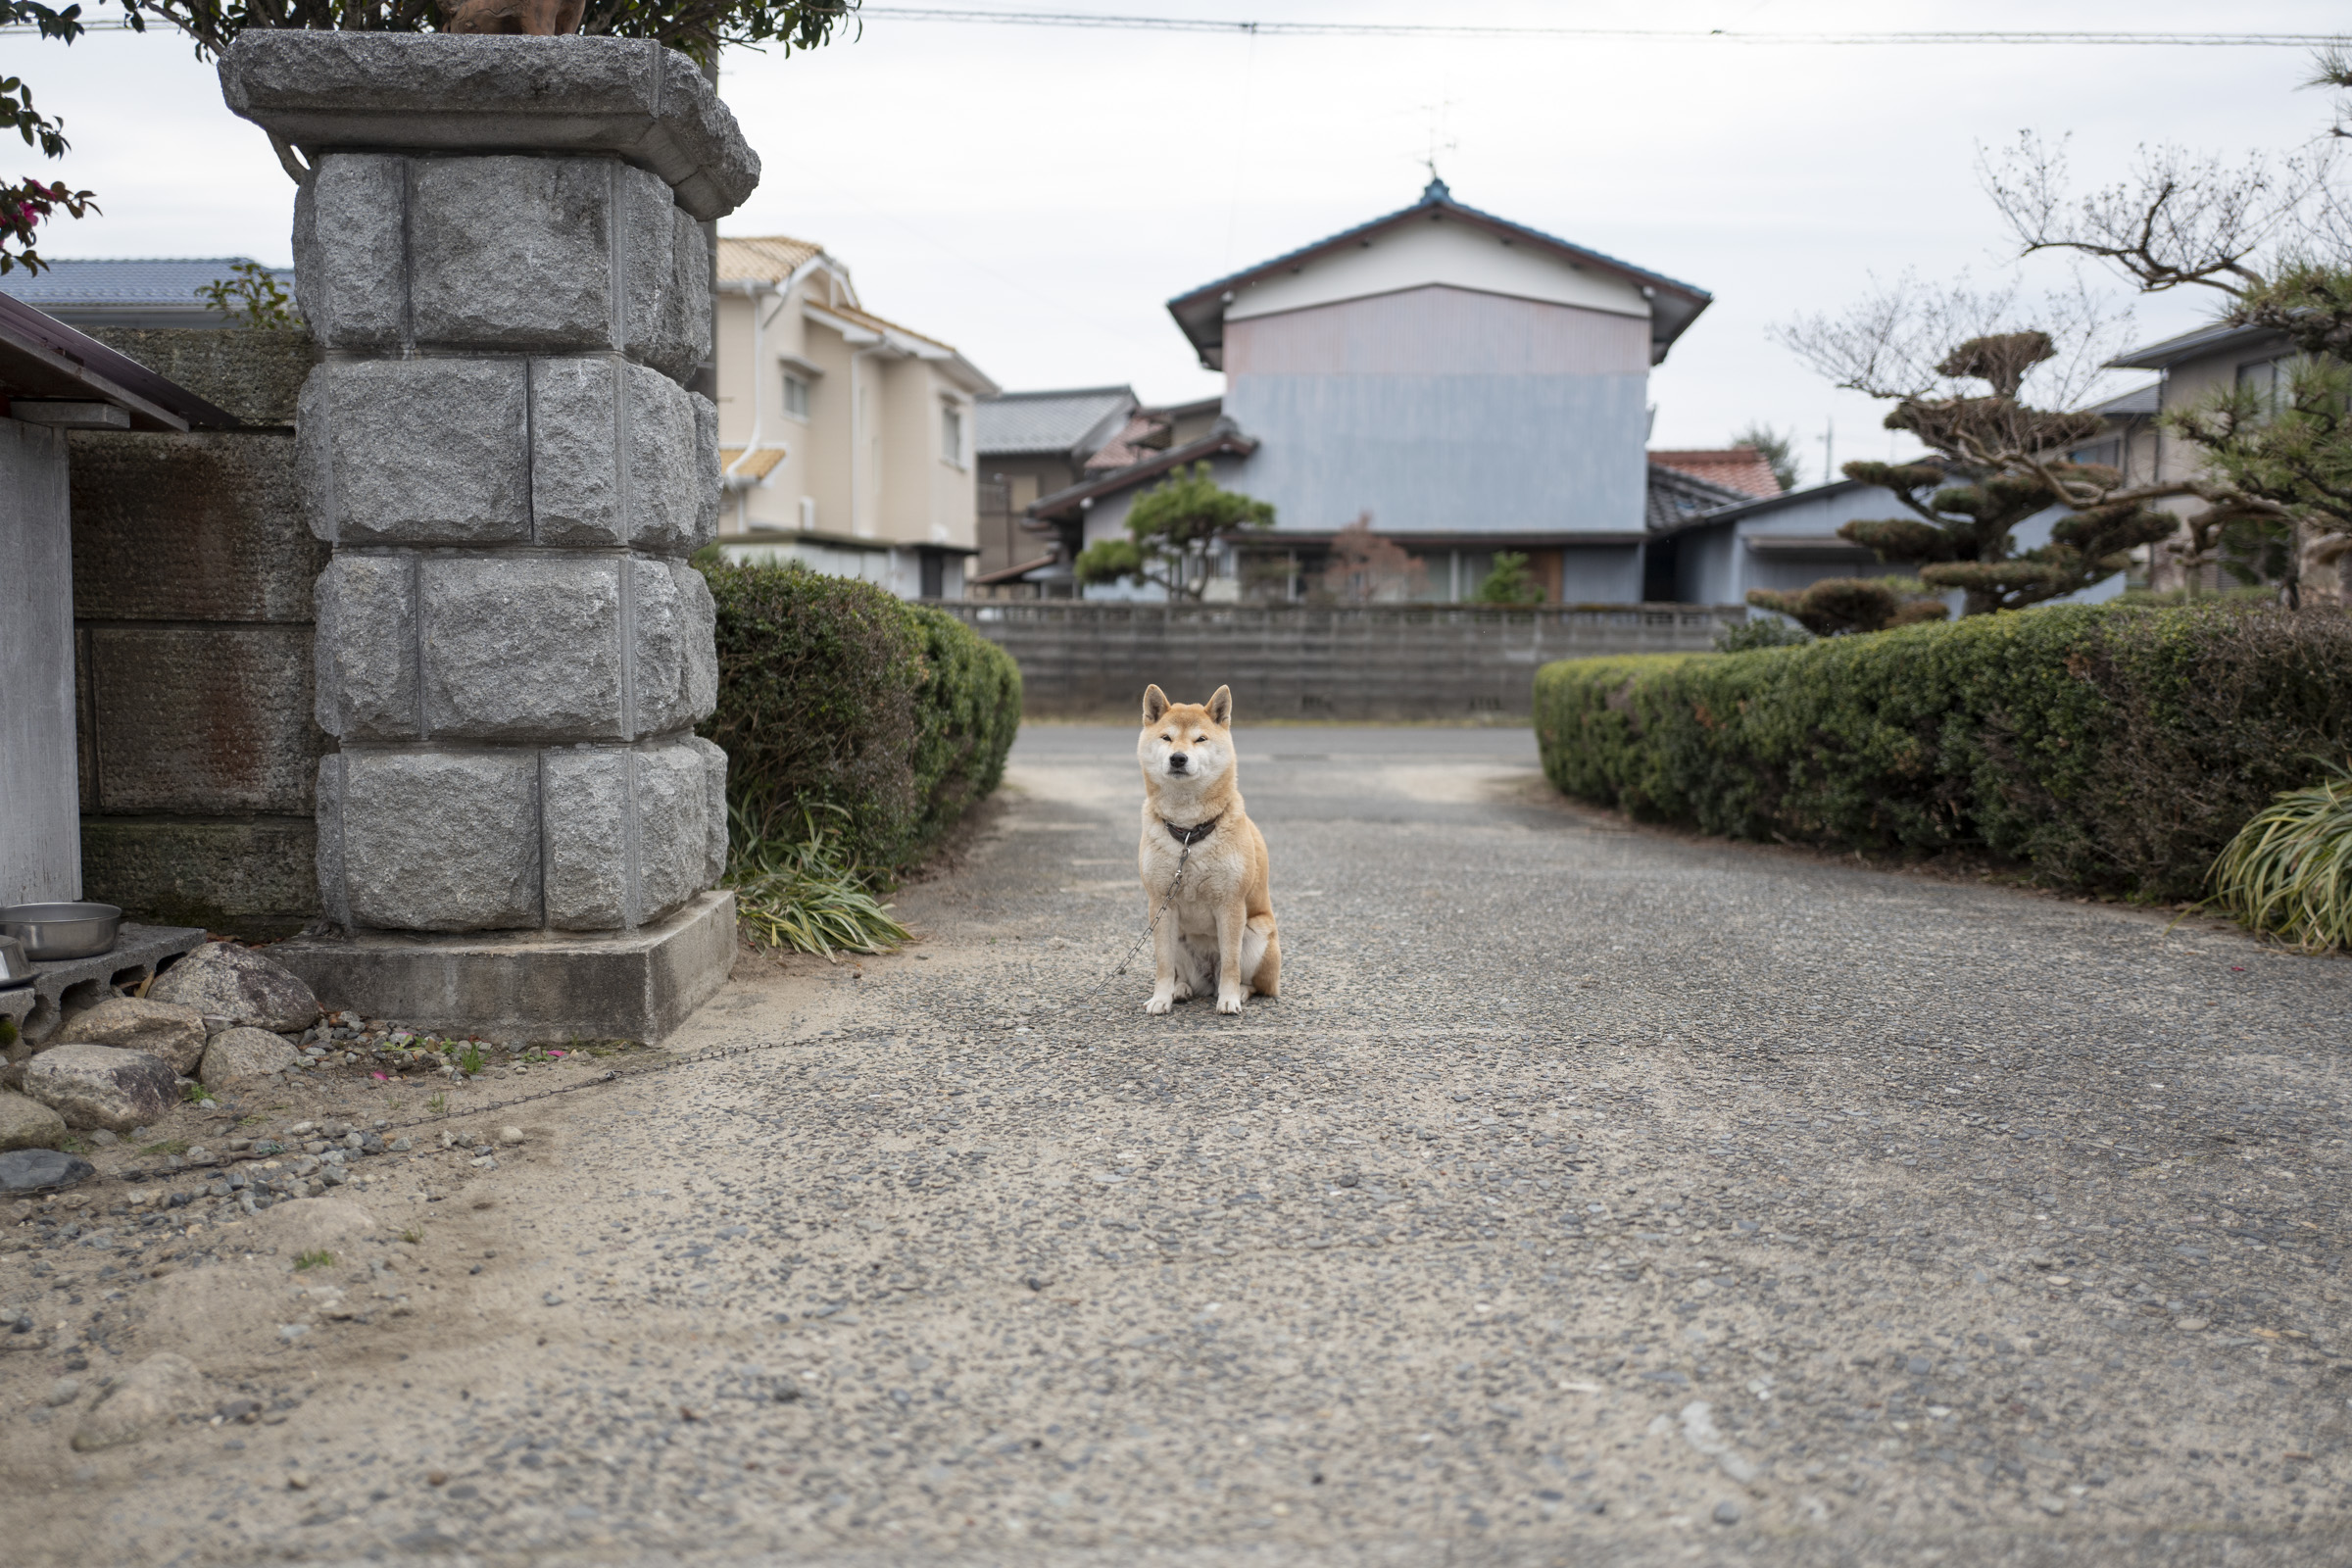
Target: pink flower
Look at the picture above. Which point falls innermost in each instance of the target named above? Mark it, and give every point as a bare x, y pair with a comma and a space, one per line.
378, 1077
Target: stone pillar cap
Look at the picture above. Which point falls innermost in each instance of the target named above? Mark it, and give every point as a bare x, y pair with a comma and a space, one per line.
475, 93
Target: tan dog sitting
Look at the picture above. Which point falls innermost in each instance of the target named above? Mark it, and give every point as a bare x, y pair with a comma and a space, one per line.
536, 18
1219, 930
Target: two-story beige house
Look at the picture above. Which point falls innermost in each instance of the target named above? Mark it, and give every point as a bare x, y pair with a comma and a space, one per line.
2193, 367
846, 441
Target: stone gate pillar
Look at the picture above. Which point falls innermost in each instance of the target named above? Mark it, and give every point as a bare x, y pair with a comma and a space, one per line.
496, 247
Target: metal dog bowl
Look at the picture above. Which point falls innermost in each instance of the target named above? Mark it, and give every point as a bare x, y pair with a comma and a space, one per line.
15, 969
51, 931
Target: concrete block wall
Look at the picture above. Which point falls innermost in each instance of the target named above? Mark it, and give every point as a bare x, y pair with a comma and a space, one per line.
512, 648
1093, 659
193, 568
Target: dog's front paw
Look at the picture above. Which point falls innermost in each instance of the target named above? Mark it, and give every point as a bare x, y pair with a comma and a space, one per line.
1229, 1002
1161, 1001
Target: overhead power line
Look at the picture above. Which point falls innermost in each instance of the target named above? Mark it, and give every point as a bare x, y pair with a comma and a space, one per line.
1444, 29
1411, 29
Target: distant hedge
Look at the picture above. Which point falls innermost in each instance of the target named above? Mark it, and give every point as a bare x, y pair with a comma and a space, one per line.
2110, 748
835, 691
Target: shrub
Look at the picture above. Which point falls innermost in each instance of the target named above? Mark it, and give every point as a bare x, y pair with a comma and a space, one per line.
2289, 872
835, 695
2110, 748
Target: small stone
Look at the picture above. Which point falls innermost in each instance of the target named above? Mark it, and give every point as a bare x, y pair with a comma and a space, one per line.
26, 1123
1727, 1513
298, 1481
104, 1139
102, 1086
551, 1298
161, 1029
241, 1054
64, 1392
435, 1477
2049, 1505
510, 1135
221, 979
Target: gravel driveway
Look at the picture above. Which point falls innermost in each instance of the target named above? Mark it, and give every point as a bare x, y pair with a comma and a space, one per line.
1589, 1195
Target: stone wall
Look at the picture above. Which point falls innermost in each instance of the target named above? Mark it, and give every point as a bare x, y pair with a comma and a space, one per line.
193, 620
499, 453
1091, 660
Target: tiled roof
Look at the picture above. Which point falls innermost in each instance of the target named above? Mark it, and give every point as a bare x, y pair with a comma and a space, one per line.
1741, 468
762, 463
81, 292
1675, 497
767, 260
1039, 422
1147, 431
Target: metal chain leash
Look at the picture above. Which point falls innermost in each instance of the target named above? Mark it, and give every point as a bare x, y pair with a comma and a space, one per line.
1183, 856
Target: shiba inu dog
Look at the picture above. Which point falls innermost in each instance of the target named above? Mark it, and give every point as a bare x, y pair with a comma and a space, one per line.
1218, 929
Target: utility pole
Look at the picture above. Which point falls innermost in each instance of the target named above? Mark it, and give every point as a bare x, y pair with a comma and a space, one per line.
1829, 451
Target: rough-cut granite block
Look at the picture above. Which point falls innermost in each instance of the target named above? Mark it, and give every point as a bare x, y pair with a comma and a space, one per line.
366, 648
348, 249
672, 827
668, 279
416, 451
575, 476
665, 463
585, 809
513, 253
203, 526
440, 841
199, 720
715, 806
521, 648
698, 615
661, 662
706, 482
626, 96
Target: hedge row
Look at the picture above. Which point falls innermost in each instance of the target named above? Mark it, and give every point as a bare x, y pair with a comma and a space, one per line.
834, 692
2111, 748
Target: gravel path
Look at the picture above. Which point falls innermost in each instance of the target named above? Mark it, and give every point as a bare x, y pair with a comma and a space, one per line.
1589, 1195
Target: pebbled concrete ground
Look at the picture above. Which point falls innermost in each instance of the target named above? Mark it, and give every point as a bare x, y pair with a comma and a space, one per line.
1591, 1195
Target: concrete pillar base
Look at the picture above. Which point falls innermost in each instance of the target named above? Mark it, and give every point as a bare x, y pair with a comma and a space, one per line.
541, 986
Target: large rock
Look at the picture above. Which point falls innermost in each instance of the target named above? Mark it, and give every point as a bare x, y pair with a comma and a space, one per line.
237, 1055
28, 1124
30, 1170
223, 981
165, 1030
102, 1086
158, 1390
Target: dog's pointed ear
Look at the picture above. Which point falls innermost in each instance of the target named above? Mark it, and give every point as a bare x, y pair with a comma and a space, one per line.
1221, 706
1156, 703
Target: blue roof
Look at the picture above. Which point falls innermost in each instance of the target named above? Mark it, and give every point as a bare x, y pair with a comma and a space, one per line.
138, 291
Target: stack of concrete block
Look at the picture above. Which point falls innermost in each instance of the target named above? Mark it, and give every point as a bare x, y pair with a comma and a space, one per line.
512, 647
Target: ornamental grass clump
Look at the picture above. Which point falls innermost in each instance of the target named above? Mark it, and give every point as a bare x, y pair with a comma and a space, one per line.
807, 893
2289, 872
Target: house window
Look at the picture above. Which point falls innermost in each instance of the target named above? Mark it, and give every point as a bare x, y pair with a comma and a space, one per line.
2271, 384
796, 397
950, 433
2105, 454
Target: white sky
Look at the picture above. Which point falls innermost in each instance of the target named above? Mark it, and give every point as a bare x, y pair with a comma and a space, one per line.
1035, 196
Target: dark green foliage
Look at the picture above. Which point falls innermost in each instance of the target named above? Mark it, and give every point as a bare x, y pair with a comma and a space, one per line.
834, 693
1759, 631
695, 27
1837, 605
1171, 529
2109, 748
1509, 583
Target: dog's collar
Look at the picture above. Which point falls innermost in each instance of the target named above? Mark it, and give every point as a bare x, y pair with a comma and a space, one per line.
1190, 836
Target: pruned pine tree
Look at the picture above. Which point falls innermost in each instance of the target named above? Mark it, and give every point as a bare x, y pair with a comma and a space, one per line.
1173, 530
1836, 607
1364, 568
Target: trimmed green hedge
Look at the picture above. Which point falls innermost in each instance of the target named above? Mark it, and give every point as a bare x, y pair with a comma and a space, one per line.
834, 692
2111, 748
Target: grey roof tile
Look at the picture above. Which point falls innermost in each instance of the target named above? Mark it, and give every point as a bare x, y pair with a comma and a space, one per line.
1050, 421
